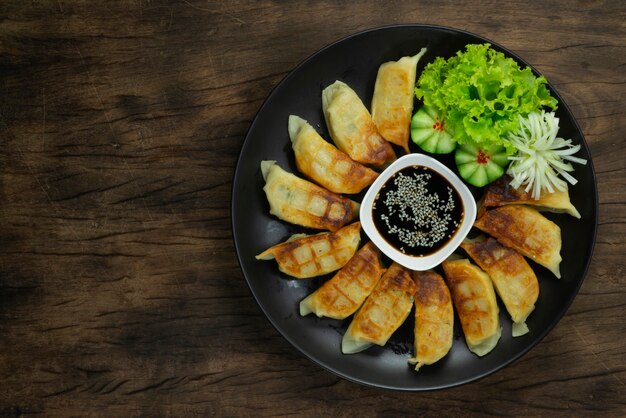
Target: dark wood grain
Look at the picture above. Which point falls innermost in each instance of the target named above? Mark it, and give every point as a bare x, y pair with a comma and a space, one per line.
120, 292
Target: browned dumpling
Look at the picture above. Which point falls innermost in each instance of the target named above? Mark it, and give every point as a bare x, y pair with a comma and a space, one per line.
527, 231
304, 256
351, 126
323, 163
342, 295
392, 103
500, 193
383, 312
475, 303
301, 202
434, 318
514, 280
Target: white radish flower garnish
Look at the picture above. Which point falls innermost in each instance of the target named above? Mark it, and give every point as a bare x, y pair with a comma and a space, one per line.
541, 156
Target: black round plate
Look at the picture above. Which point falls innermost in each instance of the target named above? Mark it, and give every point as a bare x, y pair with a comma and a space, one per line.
355, 60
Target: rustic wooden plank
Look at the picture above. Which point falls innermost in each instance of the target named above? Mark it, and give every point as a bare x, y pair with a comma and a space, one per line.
120, 292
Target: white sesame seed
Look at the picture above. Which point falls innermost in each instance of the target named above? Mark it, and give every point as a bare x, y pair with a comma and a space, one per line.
415, 215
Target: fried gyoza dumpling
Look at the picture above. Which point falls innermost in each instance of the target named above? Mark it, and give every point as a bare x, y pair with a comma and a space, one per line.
392, 103
383, 312
342, 295
434, 318
513, 278
351, 127
527, 231
500, 193
475, 303
301, 202
305, 256
323, 163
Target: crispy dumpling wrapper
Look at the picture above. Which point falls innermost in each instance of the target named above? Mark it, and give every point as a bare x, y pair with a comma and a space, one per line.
301, 202
501, 192
526, 230
305, 256
475, 303
351, 126
382, 313
392, 103
434, 318
342, 295
513, 278
320, 161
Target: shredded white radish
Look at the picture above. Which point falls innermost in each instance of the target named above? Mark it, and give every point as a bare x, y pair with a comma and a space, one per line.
541, 156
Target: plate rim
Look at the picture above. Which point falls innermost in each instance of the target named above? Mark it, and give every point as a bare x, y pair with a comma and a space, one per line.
302, 350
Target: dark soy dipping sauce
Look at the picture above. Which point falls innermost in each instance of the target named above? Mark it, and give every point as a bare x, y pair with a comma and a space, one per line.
417, 211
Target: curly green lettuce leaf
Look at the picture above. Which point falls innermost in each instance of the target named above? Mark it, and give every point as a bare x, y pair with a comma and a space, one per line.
481, 94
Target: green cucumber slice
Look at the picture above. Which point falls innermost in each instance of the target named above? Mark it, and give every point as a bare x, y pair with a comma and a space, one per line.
428, 132
420, 135
501, 159
494, 171
480, 167
479, 176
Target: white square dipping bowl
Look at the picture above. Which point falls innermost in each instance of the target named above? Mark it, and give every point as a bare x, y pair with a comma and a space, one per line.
418, 263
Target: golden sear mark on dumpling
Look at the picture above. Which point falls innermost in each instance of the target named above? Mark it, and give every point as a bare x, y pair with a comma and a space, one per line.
527, 231
323, 163
514, 280
301, 202
383, 311
313, 255
392, 103
351, 126
475, 303
500, 193
434, 318
342, 295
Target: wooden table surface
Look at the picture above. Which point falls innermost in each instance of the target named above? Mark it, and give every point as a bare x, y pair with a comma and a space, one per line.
120, 126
